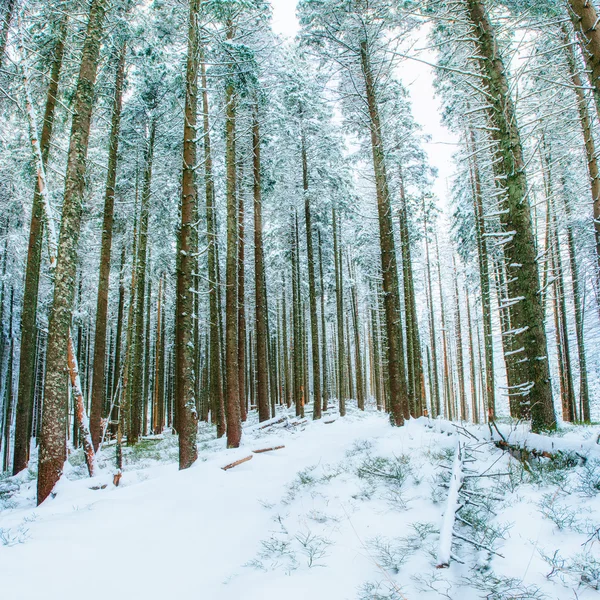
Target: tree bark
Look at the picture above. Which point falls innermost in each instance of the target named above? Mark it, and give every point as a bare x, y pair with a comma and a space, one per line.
339, 294
323, 327
185, 383
7, 17
137, 358
520, 249
217, 401
99, 376
262, 383
389, 268
234, 424
25, 393
52, 454
312, 288
585, 21
484, 280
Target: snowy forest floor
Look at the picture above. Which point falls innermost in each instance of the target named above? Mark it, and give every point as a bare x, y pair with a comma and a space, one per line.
349, 509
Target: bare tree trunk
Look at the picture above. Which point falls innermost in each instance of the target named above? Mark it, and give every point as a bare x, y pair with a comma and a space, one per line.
312, 291
339, 294
52, 454
435, 382
7, 16
459, 350
241, 304
360, 388
137, 358
99, 377
262, 384
323, 327
214, 357
472, 370
185, 383
389, 267
234, 424
9, 385
25, 393
520, 248
585, 21
286, 348
298, 343
484, 281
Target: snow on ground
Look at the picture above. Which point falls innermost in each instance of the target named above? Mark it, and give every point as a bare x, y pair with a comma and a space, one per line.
350, 509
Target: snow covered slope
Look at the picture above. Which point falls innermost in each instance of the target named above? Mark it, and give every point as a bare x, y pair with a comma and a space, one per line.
349, 509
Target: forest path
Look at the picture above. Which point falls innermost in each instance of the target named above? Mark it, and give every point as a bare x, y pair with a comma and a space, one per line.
347, 510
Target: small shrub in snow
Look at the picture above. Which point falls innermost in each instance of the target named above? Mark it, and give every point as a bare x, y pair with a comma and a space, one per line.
12, 537
561, 514
359, 447
379, 591
588, 478
390, 554
495, 587
580, 570
391, 471
314, 547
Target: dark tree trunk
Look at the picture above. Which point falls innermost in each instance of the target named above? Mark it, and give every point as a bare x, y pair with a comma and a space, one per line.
185, 384
137, 357
520, 249
25, 394
262, 384
234, 423
312, 290
52, 454
217, 400
99, 378
389, 267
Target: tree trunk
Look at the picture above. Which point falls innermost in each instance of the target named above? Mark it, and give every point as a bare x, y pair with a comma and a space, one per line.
99, 377
7, 16
585, 21
262, 384
137, 360
523, 279
360, 391
459, 350
234, 424
312, 290
214, 355
484, 280
185, 384
298, 344
323, 327
435, 382
25, 393
389, 268
9, 388
52, 454
339, 294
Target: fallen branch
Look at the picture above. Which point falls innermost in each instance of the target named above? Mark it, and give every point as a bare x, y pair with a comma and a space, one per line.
477, 545
236, 463
446, 532
267, 450
272, 422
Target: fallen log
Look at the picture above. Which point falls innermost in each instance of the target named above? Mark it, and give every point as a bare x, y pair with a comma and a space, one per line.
447, 529
261, 450
272, 422
236, 463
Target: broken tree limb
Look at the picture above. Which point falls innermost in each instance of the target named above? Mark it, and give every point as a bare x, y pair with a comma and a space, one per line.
272, 422
236, 463
82, 420
447, 529
261, 450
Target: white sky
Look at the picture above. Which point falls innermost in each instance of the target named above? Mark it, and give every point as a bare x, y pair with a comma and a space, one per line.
418, 79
